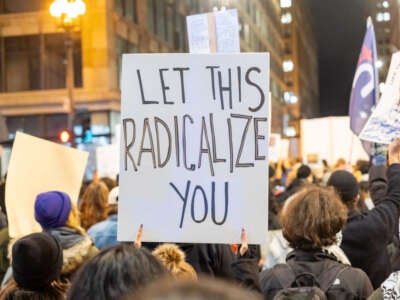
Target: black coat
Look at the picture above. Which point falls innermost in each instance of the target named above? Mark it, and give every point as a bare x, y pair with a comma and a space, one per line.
218, 260
352, 283
366, 236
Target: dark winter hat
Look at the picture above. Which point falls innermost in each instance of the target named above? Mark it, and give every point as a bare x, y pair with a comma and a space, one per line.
36, 260
303, 172
52, 209
345, 184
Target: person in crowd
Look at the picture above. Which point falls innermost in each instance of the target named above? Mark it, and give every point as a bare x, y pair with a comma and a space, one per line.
57, 216
219, 260
366, 236
311, 220
213, 260
109, 182
303, 178
365, 202
104, 234
389, 289
93, 207
340, 164
37, 260
361, 170
4, 260
115, 273
204, 289
273, 222
173, 259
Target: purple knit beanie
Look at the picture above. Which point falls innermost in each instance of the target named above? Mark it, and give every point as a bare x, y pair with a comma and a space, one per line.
52, 209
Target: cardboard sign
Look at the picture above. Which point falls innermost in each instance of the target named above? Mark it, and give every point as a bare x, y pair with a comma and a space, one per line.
37, 166
194, 147
214, 32
383, 126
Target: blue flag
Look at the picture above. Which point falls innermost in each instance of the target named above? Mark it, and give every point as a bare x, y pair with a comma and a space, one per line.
364, 92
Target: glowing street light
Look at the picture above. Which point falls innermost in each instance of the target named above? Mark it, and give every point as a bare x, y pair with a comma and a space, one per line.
68, 13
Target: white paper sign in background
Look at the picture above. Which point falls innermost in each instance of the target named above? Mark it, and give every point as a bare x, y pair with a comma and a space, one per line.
214, 32
107, 161
383, 126
194, 147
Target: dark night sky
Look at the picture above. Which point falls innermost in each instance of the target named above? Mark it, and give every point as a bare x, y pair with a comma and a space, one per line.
340, 27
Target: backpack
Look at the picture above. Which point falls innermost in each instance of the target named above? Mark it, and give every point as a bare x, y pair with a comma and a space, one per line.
299, 285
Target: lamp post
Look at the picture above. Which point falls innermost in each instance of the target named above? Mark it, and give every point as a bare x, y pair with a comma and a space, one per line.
68, 14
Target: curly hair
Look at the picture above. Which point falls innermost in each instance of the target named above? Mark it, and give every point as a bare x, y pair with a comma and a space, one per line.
173, 258
312, 217
93, 207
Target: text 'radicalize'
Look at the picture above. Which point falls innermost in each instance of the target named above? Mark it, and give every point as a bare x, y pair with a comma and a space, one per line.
162, 139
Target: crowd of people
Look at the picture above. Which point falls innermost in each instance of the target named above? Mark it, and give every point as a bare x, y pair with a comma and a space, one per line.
333, 234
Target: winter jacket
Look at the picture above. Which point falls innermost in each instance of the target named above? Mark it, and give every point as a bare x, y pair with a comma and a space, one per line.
77, 248
104, 234
351, 283
366, 236
212, 259
218, 260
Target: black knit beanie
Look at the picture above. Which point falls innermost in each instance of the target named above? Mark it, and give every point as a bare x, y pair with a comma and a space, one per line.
36, 261
345, 184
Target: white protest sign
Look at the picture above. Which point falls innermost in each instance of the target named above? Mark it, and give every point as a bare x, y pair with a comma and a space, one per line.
274, 147
37, 166
383, 126
214, 32
107, 161
194, 145
198, 35
227, 31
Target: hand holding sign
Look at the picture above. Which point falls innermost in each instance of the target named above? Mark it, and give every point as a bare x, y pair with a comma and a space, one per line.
138, 240
244, 246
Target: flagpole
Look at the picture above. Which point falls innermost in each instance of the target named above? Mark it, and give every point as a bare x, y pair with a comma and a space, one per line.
351, 147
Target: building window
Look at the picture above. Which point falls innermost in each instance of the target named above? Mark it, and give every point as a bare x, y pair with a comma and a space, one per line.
127, 9
21, 6
21, 63
123, 46
37, 62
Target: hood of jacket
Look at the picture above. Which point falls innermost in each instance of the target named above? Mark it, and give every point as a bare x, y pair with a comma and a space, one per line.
77, 248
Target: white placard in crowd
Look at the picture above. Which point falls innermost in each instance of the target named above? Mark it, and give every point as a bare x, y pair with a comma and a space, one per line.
37, 166
330, 138
274, 147
194, 147
107, 161
383, 126
214, 32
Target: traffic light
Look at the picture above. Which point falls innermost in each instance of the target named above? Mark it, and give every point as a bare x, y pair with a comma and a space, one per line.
65, 136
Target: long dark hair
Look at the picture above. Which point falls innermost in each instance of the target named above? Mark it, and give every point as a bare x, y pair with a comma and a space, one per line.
114, 272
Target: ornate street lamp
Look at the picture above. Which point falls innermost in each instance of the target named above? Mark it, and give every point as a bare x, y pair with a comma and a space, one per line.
68, 13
